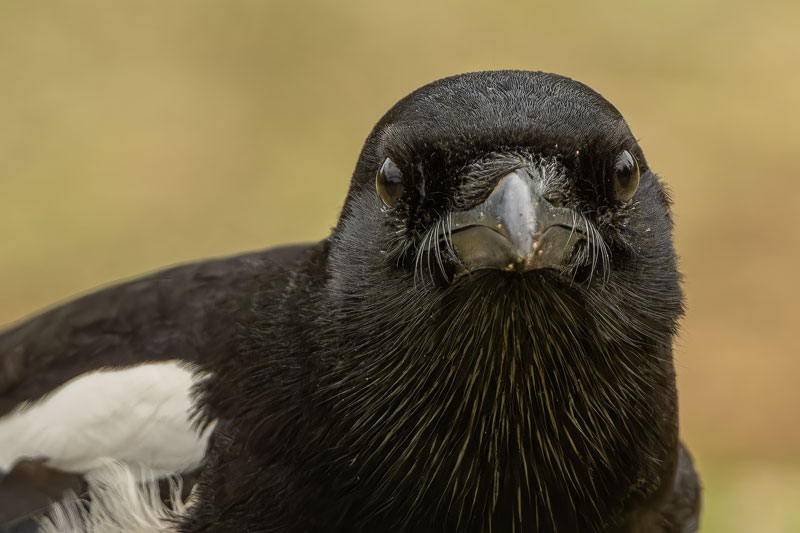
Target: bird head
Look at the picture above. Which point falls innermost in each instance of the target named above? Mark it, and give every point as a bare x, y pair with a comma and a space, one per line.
519, 176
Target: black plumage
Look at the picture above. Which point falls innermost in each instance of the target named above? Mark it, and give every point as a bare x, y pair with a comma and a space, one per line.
387, 380
190, 311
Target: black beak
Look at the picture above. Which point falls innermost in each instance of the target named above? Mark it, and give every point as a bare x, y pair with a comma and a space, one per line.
515, 229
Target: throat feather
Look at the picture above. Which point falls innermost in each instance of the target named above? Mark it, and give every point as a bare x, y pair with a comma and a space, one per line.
497, 403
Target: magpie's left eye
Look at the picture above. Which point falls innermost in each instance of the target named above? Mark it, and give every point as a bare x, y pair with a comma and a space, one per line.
626, 176
389, 182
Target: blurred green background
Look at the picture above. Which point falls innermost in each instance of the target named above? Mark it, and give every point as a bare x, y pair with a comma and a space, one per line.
138, 134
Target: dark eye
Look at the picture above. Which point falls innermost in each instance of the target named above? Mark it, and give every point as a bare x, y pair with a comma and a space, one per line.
389, 182
626, 176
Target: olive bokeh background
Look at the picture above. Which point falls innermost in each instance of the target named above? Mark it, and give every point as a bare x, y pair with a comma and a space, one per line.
135, 135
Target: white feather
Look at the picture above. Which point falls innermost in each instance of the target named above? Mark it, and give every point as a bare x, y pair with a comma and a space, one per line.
123, 498
138, 414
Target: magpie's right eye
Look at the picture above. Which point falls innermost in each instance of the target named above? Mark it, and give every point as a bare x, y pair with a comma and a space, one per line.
389, 182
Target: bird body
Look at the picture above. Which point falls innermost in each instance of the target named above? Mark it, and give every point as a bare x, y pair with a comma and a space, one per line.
484, 342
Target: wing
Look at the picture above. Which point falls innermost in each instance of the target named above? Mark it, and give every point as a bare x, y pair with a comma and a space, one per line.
186, 312
681, 513
108, 375
677, 509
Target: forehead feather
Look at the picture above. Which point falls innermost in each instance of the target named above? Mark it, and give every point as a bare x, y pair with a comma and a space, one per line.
463, 117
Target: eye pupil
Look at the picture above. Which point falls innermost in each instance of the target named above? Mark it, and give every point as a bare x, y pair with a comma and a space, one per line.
626, 176
389, 182
391, 171
624, 168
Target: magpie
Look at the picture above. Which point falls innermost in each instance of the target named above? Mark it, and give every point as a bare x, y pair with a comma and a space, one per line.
483, 343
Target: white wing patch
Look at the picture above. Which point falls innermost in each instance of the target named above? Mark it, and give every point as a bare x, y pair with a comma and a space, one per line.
138, 414
124, 498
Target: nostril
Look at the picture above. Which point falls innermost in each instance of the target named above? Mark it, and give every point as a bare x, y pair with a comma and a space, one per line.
555, 199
